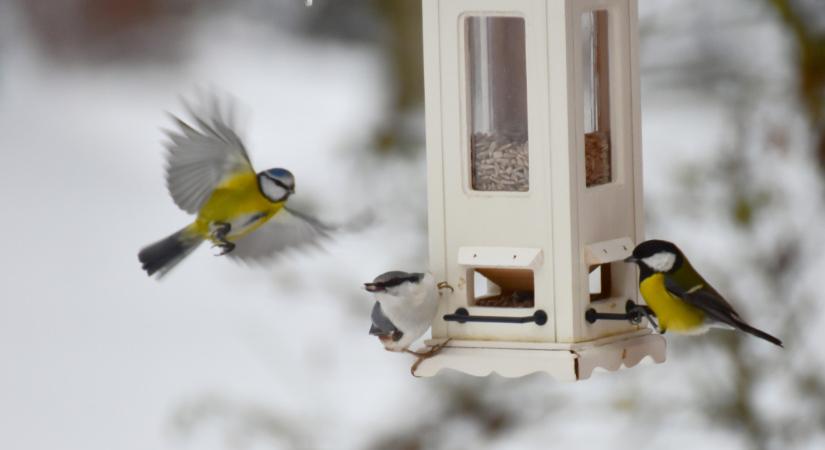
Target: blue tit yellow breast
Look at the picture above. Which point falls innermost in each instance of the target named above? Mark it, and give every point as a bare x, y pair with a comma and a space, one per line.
234, 199
672, 313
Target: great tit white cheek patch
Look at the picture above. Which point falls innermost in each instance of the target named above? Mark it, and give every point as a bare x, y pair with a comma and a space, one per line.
660, 262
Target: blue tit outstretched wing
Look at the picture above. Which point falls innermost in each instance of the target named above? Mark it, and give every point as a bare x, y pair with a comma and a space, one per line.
704, 297
203, 155
287, 229
383, 326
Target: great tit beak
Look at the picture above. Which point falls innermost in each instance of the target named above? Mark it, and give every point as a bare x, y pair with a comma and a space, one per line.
631, 259
372, 287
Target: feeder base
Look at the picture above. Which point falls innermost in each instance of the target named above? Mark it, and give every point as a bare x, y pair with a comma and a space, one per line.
564, 362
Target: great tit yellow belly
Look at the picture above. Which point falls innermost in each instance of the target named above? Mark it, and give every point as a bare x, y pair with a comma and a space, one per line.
671, 311
209, 174
680, 298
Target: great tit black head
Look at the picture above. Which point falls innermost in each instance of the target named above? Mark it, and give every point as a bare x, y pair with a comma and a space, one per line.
276, 184
657, 256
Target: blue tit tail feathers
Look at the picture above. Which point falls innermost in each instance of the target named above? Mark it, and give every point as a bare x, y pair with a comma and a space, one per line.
159, 258
739, 323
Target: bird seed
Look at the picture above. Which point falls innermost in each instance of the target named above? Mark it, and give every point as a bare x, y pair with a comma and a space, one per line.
499, 164
597, 158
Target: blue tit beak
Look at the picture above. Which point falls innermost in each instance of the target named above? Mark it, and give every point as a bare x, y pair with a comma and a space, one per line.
631, 259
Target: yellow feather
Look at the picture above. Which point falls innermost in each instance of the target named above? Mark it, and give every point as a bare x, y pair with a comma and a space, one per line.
672, 313
237, 196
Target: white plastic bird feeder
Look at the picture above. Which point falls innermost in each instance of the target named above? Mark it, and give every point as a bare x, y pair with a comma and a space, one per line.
535, 189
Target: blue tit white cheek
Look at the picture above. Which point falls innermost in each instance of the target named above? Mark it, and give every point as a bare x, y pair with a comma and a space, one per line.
272, 190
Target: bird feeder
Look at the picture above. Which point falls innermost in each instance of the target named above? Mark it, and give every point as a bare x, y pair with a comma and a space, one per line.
534, 185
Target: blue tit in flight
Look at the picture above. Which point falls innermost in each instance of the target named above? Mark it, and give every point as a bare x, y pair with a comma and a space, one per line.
405, 305
680, 298
242, 212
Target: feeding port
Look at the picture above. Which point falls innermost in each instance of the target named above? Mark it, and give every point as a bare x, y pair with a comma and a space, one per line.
503, 288
599, 282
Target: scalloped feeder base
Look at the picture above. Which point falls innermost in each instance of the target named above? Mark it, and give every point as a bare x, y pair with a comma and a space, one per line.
564, 362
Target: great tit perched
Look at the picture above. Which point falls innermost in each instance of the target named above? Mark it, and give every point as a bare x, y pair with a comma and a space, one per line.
209, 174
680, 298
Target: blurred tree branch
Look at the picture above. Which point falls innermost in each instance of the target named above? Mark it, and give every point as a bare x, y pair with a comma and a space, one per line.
243, 424
404, 50
810, 62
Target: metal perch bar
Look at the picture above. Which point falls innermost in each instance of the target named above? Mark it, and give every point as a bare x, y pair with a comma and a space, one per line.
633, 314
461, 315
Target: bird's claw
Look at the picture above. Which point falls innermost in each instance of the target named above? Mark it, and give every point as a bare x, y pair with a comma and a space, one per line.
225, 247
219, 231
445, 285
635, 316
638, 312
434, 350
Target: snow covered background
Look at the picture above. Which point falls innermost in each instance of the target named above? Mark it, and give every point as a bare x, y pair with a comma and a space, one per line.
95, 355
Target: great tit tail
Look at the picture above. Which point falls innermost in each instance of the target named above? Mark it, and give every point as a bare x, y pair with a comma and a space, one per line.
757, 332
159, 258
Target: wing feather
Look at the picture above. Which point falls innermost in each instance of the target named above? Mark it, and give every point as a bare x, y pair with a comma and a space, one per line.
704, 297
381, 324
286, 230
198, 159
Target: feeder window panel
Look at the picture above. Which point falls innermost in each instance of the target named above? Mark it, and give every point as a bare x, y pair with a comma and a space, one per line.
502, 288
599, 282
596, 71
497, 91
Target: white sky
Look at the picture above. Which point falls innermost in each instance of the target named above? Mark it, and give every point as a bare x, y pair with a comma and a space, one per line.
95, 355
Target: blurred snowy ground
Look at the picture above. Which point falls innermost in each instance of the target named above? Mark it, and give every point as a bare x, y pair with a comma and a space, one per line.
94, 355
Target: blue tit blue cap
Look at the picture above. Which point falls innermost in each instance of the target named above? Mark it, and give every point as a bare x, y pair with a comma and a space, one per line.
279, 173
